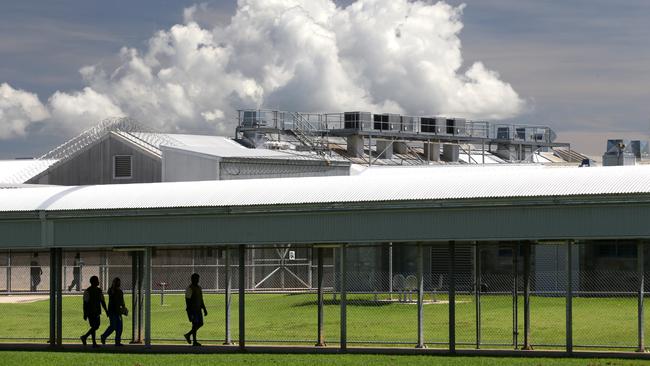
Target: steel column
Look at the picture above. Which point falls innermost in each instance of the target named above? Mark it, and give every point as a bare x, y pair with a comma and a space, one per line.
147, 296
59, 296
321, 335
228, 297
527, 253
452, 296
53, 297
242, 295
515, 295
569, 297
477, 293
420, 259
641, 314
343, 303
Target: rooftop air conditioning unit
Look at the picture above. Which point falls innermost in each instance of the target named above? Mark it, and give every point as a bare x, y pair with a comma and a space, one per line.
455, 126
503, 133
386, 122
407, 124
431, 125
355, 120
252, 119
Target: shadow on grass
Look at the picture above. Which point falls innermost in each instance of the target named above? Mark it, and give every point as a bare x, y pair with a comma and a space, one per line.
354, 302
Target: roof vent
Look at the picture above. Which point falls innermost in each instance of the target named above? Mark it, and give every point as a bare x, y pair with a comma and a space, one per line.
122, 166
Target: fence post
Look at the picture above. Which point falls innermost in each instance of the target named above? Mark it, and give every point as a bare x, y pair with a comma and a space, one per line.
515, 294
228, 299
569, 298
242, 295
59, 297
321, 336
452, 297
527, 253
477, 292
53, 297
9, 272
641, 314
147, 296
420, 298
343, 289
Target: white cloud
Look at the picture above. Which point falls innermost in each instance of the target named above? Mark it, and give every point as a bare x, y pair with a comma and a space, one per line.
79, 109
18, 109
307, 55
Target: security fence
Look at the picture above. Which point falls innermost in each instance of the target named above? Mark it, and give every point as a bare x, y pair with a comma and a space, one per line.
464, 295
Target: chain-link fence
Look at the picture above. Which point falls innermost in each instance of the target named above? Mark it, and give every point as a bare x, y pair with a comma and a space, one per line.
507, 295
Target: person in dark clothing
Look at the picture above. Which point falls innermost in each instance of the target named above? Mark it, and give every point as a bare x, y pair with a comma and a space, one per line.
76, 273
93, 304
116, 308
194, 305
35, 272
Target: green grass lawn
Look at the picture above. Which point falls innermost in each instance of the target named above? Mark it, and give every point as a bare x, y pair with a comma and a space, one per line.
104, 359
291, 319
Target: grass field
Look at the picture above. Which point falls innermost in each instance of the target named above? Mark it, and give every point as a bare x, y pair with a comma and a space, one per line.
60, 358
291, 319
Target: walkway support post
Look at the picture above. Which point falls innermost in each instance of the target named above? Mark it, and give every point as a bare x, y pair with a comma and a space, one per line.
641, 314
527, 253
59, 296
452, 297
147, 296
52, 340
343, 290
228, 297
420, 298
321, 335
477, 292
242, 295
569, 297
515, 294
55, 338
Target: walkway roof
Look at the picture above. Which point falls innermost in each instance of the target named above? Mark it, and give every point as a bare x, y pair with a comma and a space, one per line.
372, 185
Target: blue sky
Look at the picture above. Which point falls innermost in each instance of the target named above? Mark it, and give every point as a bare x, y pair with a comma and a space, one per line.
581, 66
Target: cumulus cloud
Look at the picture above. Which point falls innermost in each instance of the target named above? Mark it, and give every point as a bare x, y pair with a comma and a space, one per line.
308, 55
18, 109
77, 108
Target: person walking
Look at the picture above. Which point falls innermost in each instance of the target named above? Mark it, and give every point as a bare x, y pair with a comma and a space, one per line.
35, 273
193, 306
93, 304
76, 273
116, 308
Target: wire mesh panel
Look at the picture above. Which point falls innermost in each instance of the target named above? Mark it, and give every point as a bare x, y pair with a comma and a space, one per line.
281, 303
171, 275
24, 301
436, 296
375, 314
605, 285
548, 285
497, 281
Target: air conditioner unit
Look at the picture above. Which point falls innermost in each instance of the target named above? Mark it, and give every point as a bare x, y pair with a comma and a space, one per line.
407, 124
355, 120
386, 122
431, 125
503, 133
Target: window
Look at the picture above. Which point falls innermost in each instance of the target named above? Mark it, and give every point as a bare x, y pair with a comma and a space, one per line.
122, 166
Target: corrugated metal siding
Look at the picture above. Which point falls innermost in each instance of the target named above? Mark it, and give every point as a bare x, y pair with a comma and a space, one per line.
409, 185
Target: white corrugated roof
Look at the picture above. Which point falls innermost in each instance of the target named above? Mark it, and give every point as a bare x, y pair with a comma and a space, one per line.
21, 170
445, 183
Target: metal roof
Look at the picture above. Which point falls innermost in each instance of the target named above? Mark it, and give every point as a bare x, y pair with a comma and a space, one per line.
11, 171
408, 184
